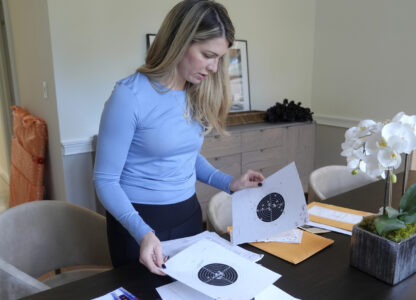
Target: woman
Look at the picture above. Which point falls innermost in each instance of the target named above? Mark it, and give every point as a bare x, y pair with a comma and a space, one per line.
151, 132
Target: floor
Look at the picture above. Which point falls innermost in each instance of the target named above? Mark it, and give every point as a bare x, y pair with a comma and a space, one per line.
4, 195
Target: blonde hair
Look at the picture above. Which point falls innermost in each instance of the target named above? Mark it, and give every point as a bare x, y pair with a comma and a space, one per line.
193, 21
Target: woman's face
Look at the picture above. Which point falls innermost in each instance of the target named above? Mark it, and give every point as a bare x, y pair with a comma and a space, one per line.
200, 60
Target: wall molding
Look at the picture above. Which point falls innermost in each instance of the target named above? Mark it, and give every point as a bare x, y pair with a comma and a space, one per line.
4, 176
13, 75
335, 121
72, 147
85, 145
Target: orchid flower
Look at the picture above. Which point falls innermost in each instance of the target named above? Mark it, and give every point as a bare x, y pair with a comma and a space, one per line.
376, 147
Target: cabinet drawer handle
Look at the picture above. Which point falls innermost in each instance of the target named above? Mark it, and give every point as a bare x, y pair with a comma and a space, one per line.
216, 158
261, 150
217, 137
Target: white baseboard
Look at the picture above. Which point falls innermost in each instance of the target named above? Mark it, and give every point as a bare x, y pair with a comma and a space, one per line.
335, 121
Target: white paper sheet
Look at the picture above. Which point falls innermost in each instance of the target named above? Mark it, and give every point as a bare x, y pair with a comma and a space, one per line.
219, 273
332, 228
179, 291
293, 236
272, 292
336, 215
313, 229
119, 293
278, 206
172, 247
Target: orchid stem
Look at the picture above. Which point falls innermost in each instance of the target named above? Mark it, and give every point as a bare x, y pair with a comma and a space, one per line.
406, 172
386, 191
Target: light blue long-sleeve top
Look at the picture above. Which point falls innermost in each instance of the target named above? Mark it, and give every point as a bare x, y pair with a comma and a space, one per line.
148, 152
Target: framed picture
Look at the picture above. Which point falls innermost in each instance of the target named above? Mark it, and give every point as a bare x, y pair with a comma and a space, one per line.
149, 39
237, 71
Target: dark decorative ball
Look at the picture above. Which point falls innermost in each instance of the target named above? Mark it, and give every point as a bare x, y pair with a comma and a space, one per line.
288, 112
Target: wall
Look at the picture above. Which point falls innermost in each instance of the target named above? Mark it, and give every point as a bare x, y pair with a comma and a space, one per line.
355, 61
96, 42
33, 62
78, 176
5, 101
80, 48
364, 67
328, 140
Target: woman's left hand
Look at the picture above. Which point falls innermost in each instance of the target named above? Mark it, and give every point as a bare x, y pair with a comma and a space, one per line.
249, 179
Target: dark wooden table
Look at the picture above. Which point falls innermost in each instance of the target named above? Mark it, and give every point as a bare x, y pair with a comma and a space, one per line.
326, 275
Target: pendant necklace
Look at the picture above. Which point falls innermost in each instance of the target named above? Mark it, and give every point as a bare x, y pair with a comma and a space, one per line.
185, 109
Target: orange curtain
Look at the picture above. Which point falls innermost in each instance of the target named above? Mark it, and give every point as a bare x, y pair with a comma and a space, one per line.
30, 137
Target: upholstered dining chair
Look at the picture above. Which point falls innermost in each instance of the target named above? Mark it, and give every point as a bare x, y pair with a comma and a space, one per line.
219, 213
42, 236
329, 181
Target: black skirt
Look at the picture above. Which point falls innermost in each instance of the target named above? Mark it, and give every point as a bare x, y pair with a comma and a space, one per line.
169, 222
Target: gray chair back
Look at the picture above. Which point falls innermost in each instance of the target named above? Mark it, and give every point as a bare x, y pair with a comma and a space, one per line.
332, 180
40, 236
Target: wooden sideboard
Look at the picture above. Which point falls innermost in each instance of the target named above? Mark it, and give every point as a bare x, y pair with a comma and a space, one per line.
263, 147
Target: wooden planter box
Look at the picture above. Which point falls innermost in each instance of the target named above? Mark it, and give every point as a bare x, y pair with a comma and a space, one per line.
382, 258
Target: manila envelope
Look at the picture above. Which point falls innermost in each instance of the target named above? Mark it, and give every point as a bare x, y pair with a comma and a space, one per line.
334, 223
294, 253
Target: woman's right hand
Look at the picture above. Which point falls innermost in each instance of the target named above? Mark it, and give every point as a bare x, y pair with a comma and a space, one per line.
151, 253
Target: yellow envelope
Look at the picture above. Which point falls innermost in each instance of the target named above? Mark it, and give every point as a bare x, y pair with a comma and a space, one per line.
292, 252
338, 224
295, 253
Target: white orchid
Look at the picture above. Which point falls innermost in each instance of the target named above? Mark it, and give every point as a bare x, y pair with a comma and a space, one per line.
401, 117
399, 136
375, 148
373, 167
389, 158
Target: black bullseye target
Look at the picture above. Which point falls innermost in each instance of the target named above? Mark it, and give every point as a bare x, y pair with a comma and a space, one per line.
271, 207
217, 274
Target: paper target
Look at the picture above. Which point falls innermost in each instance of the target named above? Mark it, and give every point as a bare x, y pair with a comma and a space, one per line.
217, 274
271, 207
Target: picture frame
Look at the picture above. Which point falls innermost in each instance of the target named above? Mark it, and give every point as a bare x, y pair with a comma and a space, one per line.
238, 73
149, 39
239, 76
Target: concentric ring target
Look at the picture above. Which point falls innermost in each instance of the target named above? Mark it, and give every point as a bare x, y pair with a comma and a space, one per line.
217, 274
270, 207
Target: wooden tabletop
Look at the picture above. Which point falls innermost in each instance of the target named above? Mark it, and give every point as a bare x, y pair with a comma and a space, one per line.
326, 275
